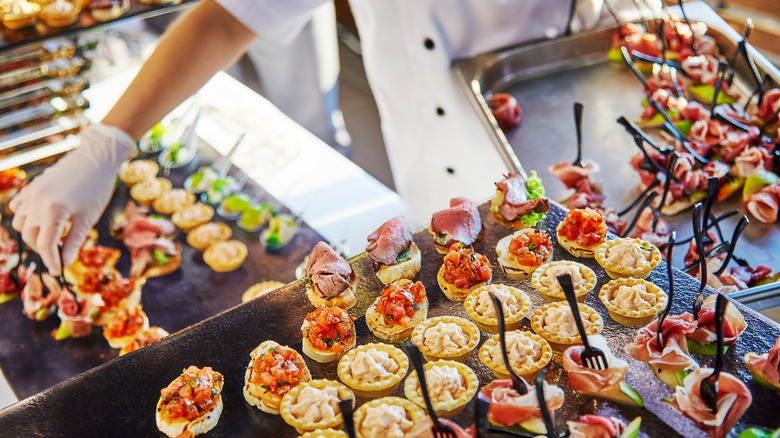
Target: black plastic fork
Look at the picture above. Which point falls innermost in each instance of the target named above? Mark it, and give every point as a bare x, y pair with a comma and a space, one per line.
697, 303
346, 413
591, 357
708, 388
578, 107
743, 223
439, 429
660, 341
518, 383
546, 416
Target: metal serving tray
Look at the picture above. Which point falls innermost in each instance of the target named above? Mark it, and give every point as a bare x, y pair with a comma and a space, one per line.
120, 396
33, 361
547, 77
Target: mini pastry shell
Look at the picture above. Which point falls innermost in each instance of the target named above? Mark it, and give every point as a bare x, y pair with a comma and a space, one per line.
384, 385
559, 342
413, 412
261, 288
136, 171
552, 295
173, 200
300, 424
192, 216
490, 324
254, 393
18, 17
205, 235
632, 317
60, 13
460, 354
445, 409
147, 191
621, 271
527, 372
225, 256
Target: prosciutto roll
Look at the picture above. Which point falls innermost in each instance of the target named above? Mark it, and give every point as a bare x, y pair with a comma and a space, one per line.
595, 426
36, 305
766, 367
77, 315
589, 380
507, 407
733, 400
733, 323
674, 357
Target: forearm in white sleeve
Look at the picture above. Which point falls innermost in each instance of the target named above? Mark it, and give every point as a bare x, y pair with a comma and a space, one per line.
277, 20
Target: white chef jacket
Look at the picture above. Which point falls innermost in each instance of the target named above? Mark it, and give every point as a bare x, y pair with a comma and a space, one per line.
437, 147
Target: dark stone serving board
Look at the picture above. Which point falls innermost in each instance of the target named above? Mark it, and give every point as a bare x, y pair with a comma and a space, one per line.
118, 398
33, 361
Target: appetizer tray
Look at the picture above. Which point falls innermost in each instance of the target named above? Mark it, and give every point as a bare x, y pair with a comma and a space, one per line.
548, 77
120, 396
10, 38
32, 360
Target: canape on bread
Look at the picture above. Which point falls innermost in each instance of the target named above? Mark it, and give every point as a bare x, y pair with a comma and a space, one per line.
393, 253
330, 280
463, 271
523, 251
519, 202
155, 260
144, 338
91, 257
328, 333
192, 402
459, 223
398, 310
581, 231
273, 370
124, 326
11, 180
116, 292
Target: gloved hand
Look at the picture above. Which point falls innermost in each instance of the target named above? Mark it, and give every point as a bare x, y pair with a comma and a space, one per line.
77, 187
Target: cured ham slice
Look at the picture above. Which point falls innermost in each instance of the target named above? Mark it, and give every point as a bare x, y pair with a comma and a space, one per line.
8, 257
329, 272
595, 426
733, 400
709, 131
77, 315
8, 287
506, 110
589, 380
507, 407
693, 112
390, 240
570, 173
422, 429
515, 202
675, 356
750, 161
702, 68
766, 366
142, 257
769, 104
764, 204
587, 194
733, 323
36, 305
143, 231
459, 223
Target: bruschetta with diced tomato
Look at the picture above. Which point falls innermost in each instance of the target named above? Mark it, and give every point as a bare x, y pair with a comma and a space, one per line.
402, 306
191, 403
463, 271
273, 370
328, 333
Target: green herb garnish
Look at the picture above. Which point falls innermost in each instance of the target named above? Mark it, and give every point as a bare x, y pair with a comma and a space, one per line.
160, 258
404, 256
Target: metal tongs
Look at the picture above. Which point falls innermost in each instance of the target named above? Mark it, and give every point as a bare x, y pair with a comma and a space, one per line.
708, 388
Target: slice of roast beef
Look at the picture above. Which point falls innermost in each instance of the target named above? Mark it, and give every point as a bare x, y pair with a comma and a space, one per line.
516, 202
328, 270
459, 223
391, 239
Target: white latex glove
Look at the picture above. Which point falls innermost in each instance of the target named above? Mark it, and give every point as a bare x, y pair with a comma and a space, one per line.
77, 187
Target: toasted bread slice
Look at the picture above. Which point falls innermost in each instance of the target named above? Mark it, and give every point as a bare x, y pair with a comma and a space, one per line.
453, 292
509, 263
393, 332
255, 394
396, 271
346, 299
325, 356
174, 427
174, 262
578, 250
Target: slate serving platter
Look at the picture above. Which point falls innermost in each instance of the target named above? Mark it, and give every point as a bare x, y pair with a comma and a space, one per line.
32, 361
118, 398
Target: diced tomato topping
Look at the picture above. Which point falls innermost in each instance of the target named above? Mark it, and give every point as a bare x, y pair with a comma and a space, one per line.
111, 286
192, 393
329, 328
95, 256
531, 248
464, 268
125, 323
280, 369
11, 179
584, 226
399, 302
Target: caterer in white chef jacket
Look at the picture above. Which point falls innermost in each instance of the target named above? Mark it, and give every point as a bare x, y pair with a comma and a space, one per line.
436, 146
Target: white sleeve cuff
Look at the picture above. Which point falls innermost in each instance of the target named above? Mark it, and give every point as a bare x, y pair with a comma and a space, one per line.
277, 20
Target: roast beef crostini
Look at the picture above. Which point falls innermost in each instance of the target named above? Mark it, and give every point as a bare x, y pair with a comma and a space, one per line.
393, 253
520, 202
329, 280
459, 223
